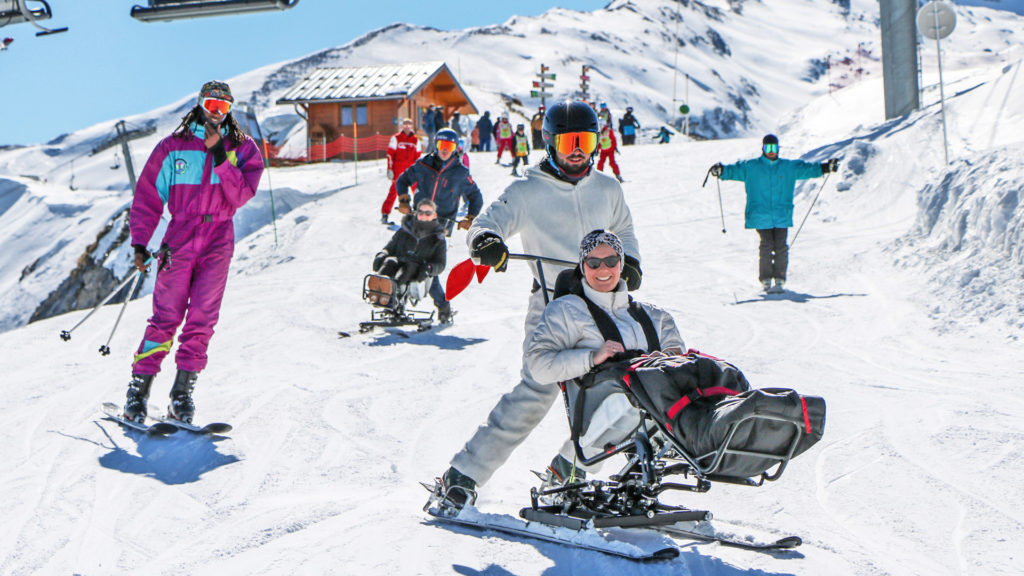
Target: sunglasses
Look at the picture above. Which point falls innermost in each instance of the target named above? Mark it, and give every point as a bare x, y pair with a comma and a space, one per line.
771, 148
446, 146
216, 105
595, 263
567, 143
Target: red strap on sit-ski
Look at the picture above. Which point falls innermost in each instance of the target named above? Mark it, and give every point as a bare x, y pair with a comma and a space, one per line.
699, 393
807, 419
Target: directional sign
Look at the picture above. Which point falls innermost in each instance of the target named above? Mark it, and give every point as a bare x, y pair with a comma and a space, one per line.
584, 77
546, 76
534, 94
684, 109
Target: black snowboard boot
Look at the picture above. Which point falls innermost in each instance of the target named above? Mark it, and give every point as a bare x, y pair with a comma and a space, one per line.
181, 406
444, 313
138, 395
458, 490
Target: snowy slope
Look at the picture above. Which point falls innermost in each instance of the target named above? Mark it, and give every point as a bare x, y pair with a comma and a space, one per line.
904, 315
751, 65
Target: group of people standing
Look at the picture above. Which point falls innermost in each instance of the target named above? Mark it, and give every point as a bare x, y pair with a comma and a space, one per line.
562, 209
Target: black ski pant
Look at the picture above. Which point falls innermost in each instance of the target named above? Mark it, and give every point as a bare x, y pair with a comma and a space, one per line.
774, 254
628, 139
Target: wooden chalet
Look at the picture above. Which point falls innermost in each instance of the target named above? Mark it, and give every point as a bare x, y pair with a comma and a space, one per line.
340, 104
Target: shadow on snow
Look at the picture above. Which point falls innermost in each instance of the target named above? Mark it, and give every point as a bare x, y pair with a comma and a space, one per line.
426, 338
180, 458
798, 297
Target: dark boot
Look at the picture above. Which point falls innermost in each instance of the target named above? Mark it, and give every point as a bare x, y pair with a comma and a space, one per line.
444, 313
138, 395
458, 489
181, 406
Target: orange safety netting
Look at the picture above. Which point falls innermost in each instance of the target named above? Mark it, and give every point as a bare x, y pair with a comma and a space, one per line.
342, 146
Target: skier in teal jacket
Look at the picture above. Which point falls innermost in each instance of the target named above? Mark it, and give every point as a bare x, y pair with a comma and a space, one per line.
770, 182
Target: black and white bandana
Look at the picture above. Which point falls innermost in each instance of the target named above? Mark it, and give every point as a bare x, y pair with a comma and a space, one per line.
591, 240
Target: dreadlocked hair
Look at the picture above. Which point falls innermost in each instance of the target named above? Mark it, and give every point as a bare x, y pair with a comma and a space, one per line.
195, 116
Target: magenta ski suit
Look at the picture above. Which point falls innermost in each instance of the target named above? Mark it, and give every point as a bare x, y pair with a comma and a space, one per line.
200, 240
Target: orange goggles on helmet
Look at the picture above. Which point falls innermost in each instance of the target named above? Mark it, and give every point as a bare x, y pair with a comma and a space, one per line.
446, 146
216, 105
567, 143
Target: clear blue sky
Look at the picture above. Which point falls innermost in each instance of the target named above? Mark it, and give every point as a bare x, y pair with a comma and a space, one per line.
109, 65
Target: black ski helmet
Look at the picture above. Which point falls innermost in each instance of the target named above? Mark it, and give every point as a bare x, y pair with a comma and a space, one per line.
446, 134
568, 116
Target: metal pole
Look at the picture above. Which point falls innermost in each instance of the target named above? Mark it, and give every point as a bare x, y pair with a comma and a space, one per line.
721, 211
942, 90
795, 236
65, 335
355, 140
105, 349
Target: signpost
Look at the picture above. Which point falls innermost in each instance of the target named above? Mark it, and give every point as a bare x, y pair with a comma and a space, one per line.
585, 83
542, 86
936, 20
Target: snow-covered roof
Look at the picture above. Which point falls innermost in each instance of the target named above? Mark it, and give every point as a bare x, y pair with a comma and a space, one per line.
366, 82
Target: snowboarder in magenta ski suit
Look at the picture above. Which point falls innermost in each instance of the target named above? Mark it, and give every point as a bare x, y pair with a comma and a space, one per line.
560, 201
203, 172
770, 182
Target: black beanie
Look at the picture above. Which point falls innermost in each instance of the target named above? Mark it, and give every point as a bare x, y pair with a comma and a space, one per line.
770, 139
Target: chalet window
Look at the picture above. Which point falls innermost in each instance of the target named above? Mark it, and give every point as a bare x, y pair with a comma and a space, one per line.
361, 115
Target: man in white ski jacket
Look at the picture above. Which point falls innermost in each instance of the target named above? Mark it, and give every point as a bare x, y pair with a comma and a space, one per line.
561, 200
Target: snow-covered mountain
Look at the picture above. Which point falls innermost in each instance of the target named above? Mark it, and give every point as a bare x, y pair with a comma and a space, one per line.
905, 314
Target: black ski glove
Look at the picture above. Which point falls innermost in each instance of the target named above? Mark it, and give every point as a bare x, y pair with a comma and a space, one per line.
631, 272
491, 250
831, 165
378, 260
716, 170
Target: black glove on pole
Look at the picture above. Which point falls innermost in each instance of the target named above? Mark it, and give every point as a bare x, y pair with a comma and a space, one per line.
491, 250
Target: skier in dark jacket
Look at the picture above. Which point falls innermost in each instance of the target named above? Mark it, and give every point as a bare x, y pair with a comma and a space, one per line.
770, 182
441, 178
628, 127
485, 126
417, 250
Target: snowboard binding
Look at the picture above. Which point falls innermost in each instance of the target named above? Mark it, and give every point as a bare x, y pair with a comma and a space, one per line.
389, 300
448, 501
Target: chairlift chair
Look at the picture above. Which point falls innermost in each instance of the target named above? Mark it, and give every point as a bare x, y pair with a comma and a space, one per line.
18, 11
170, 10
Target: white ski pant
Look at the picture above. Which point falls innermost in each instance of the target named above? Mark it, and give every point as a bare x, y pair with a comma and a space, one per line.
516, 415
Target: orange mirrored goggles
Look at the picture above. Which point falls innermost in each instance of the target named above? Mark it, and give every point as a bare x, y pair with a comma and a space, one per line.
216, 105
446, 146
566, 143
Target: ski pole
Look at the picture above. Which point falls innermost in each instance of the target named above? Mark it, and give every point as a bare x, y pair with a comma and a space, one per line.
65, 335
105, 349
820, 188
721, 211
718, 184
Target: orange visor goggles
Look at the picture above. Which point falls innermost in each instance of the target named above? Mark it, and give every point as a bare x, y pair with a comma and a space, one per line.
566, 143
446, 146
216, 105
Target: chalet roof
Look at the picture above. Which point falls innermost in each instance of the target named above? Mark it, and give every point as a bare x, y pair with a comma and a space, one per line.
391, 81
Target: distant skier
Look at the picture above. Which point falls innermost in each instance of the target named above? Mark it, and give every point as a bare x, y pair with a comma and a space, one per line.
203, 172
609, 148
441, 178
628, 127
403, 151
604, 115
770, 182
485, 126
663, 136
520, 148
537, 128
5, 43
561, 200
503, 136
